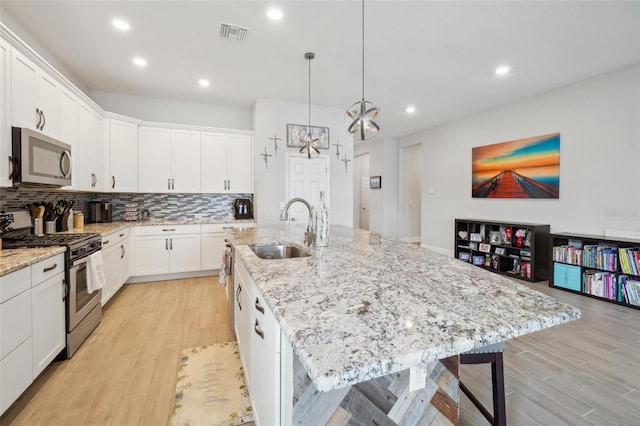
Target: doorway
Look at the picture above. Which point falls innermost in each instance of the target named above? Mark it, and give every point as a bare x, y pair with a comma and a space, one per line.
361, 192
306, 178
410, 192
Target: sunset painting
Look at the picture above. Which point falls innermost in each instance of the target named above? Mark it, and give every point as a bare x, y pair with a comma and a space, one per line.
525, 168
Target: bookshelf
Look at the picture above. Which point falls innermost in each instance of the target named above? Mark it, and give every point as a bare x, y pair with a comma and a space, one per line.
596, 266
519, 250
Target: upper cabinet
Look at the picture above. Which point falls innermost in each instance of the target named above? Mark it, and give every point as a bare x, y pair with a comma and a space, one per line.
89, 172
5, 133
123, 155
34, 100
167, 159
227, 163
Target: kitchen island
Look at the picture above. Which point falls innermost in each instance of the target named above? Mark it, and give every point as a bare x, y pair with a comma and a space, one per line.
368, 307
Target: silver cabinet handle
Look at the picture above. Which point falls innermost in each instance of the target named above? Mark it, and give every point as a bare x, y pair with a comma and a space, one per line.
259, 307
39, 118
166, 244
121, 235
238, 296
105, 243
169, 183
113, 182
172, 184
229, 186
50, 268
170, 243
168, 229
258, 331
122, 251
44, 119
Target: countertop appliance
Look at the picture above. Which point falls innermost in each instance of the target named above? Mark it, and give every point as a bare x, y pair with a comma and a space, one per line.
39, 160
242, 208
100, 212
83, 310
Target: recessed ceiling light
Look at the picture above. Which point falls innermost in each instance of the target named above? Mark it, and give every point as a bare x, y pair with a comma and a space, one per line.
204, 82
140, 62
275, 14
503, 70
121, 24
410, 109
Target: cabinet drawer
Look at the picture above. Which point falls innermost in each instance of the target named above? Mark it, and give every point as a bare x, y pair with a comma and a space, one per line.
167, 229
46, 269
15, 322
114, 238
567, 276
14, 283
16, 374
210, 228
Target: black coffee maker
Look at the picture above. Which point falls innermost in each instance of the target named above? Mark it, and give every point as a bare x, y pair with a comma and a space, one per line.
242, 208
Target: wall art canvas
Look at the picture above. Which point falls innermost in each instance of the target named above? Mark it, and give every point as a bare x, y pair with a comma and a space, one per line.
524, 168
296, 131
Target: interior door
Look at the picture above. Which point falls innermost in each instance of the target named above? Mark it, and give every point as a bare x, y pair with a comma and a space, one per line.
364, 202
307, 177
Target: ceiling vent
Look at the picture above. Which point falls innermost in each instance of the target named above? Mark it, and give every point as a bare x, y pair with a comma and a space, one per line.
233, 32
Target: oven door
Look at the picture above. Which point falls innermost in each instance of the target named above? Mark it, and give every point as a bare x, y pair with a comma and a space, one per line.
81, 302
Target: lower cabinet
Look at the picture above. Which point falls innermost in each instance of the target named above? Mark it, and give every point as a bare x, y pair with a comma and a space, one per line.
32, 325
115, 253
167, 249
258, 336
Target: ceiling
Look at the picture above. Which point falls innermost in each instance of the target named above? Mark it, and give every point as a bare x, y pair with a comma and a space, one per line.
438, 56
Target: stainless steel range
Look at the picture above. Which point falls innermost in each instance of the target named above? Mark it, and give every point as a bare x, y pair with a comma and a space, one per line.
83, 309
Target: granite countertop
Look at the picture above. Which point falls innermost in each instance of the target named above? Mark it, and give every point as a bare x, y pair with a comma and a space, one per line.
367, 306
111, 227
12, 260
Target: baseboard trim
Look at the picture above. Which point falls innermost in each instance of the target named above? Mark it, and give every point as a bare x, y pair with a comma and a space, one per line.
178, 276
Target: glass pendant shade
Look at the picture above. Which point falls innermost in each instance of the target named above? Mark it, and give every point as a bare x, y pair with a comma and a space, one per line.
363, 120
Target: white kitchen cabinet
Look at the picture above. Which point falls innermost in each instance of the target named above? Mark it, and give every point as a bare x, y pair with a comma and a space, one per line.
34, 101
169, 160
213, 245
32, 324
5, 128
122, 137
68, 123
125, 256
258, 334
167, 249
90, 165
111, 261
227, 163
47, 299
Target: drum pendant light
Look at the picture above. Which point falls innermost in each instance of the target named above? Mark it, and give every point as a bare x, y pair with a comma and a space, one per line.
307, 142
363, 118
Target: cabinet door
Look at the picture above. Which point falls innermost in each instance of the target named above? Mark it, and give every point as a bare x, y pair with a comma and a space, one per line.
16, 374
240, 164
214, 162
23, 88
68, 124
185, 161
213, 247
5, 128
89, 173
265, 379
185, 252
124, 263
123, 156
152, 255
48, 322
154, 170
243, 327
15, 322
111, 260
47, 101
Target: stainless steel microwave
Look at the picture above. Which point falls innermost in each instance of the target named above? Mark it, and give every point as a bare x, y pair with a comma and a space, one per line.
39, 160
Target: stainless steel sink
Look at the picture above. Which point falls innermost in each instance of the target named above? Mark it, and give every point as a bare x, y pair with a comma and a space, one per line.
278, 251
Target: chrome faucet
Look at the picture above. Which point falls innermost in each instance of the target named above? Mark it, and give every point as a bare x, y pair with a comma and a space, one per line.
309, 235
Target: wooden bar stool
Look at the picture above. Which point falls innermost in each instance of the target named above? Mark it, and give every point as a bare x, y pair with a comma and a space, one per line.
489, 354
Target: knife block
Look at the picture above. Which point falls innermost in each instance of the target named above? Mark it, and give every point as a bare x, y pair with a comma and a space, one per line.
62, 222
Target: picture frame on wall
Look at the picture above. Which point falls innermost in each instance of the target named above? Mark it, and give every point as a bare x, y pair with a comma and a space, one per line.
375, 182
296, 131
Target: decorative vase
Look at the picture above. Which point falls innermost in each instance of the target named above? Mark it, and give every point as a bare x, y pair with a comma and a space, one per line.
322, 223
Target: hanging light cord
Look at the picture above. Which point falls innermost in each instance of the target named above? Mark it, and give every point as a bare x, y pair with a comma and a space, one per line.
362, 50
309, 57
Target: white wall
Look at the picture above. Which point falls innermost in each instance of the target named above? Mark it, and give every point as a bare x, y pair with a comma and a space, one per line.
271, 117
383, 202
410, 192
360, 169
178, 112
599, 124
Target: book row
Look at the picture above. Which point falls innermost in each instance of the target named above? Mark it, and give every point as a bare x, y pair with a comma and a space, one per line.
621, 288
512, 266
598, 256
630, 260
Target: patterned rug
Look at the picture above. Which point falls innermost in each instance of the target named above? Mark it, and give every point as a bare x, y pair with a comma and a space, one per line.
210, 389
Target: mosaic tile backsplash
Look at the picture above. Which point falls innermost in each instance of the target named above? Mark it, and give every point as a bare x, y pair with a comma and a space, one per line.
160, 206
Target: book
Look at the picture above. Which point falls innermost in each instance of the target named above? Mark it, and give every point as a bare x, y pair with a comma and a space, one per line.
464, 256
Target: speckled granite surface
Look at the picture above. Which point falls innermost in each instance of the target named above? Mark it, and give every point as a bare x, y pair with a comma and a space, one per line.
13, 259
367, 306
109, 228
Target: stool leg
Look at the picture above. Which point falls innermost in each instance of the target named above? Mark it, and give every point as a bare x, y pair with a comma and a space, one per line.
497, 377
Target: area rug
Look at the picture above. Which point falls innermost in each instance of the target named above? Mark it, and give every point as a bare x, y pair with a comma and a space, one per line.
211, 389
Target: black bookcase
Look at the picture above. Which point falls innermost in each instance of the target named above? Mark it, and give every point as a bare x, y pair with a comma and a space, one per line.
596, 266
516, 249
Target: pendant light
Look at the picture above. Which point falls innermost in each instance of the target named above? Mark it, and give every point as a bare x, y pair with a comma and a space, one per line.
307, 142
361, 116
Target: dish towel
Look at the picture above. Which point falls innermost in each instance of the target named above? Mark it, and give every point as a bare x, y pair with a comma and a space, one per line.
223, 271
95, 272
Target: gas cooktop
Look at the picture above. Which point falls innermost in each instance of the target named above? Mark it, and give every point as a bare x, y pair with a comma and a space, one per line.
30, 241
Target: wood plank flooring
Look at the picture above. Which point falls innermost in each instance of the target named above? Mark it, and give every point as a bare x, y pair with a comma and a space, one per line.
583, 373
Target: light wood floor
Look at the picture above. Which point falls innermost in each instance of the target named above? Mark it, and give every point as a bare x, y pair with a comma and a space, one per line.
583, 373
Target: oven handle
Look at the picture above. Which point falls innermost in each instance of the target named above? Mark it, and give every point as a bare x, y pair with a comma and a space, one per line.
80, 261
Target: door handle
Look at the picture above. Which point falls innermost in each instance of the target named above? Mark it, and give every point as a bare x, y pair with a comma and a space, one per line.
259, 307
258, 331
166, 244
